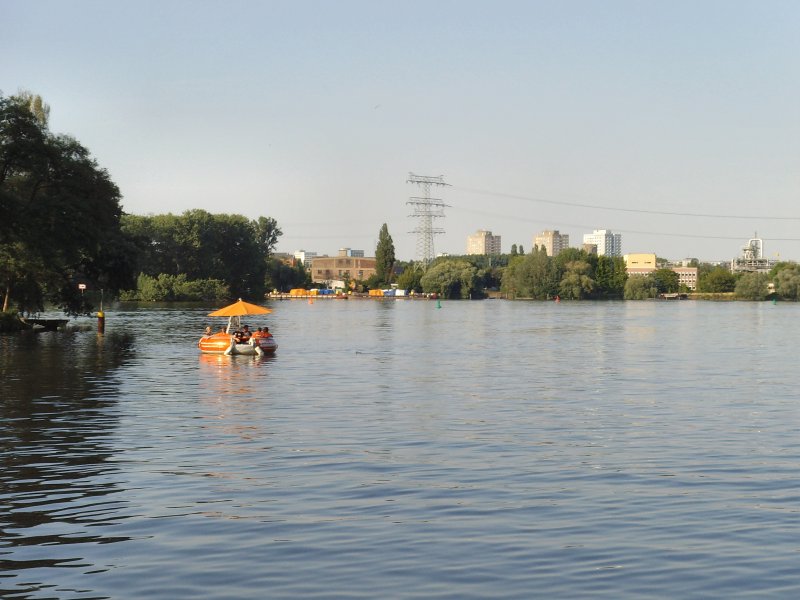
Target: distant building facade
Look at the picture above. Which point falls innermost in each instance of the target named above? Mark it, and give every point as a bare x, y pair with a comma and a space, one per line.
351, 252
325, 269
305, 257
645, 263
687, 276
552, 241
483, 242
607, 242
640, 263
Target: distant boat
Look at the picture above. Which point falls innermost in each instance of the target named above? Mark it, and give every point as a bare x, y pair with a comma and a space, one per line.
230, 340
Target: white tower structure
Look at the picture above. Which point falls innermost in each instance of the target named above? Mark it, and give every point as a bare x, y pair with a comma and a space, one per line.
426, 209
754, 249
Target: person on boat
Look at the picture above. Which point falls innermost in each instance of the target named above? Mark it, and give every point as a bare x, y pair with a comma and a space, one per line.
241, 336
246, 334
258, 333
208, 330
266, 333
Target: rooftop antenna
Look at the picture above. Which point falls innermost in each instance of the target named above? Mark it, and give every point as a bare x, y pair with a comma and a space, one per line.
426, 209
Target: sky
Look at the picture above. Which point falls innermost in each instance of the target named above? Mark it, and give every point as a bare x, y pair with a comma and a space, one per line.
676, 124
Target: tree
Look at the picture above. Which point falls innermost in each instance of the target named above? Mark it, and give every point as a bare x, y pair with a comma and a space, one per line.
752, 286
283, 277
410, 278
37, 107
576, 282
59, 213
787, 282
384, 255
610, 276
665, 281
531, 276
451, 278
513, 249
640, 287
267, 233
717, 280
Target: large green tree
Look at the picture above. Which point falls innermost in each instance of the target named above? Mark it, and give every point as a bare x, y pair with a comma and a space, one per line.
411, 277
610, 276
752, 286
665, 280
577, 282
533, 275
640, 287
59, 214
717, 280
284, 277
452, 278
787, 282
384, 255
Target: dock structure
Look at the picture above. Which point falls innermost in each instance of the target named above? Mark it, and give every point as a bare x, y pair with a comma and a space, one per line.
47, 324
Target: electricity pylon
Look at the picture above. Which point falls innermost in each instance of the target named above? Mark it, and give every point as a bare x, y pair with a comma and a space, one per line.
426, 209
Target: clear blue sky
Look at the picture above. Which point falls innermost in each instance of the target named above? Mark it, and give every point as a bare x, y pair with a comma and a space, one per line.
314, 113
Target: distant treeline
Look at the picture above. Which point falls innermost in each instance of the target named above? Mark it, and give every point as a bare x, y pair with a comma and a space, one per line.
204, 256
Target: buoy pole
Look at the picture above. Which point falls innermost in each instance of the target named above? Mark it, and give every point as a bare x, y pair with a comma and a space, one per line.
101, 322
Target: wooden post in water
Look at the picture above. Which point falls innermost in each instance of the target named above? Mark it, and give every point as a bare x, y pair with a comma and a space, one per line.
101, 322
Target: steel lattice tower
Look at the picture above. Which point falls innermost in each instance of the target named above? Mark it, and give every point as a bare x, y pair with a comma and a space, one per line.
427, 209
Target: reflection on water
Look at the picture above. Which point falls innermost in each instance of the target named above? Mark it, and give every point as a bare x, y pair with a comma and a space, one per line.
397, 449
57, 480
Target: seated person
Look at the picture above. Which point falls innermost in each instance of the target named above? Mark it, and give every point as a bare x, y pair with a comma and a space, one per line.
246, 334
266, 333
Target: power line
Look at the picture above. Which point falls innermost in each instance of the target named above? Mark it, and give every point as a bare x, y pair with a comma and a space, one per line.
617, 209
634, 231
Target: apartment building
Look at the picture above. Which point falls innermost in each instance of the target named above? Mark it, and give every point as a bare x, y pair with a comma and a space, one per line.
483, 242
608, 243
552, 241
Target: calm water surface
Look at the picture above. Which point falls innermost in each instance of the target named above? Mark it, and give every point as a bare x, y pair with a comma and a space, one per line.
393, 449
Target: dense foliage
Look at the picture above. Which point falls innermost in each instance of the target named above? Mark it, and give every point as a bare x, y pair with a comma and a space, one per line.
59, 215
787, 282
205, 246
572, 274
717, 280
452, 278
752, 286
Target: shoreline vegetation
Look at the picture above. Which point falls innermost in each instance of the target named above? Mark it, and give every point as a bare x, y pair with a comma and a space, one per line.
66, 242
12, 321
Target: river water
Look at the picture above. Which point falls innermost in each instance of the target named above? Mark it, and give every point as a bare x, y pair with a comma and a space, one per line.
407, 449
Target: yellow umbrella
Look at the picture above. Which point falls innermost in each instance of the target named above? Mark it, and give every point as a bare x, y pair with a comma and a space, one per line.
240, 308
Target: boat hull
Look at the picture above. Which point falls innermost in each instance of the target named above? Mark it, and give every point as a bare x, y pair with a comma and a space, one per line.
220, 343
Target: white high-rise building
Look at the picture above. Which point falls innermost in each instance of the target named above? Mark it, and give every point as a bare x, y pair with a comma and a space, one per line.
304, 257
552, 241
483, 242
607, 242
